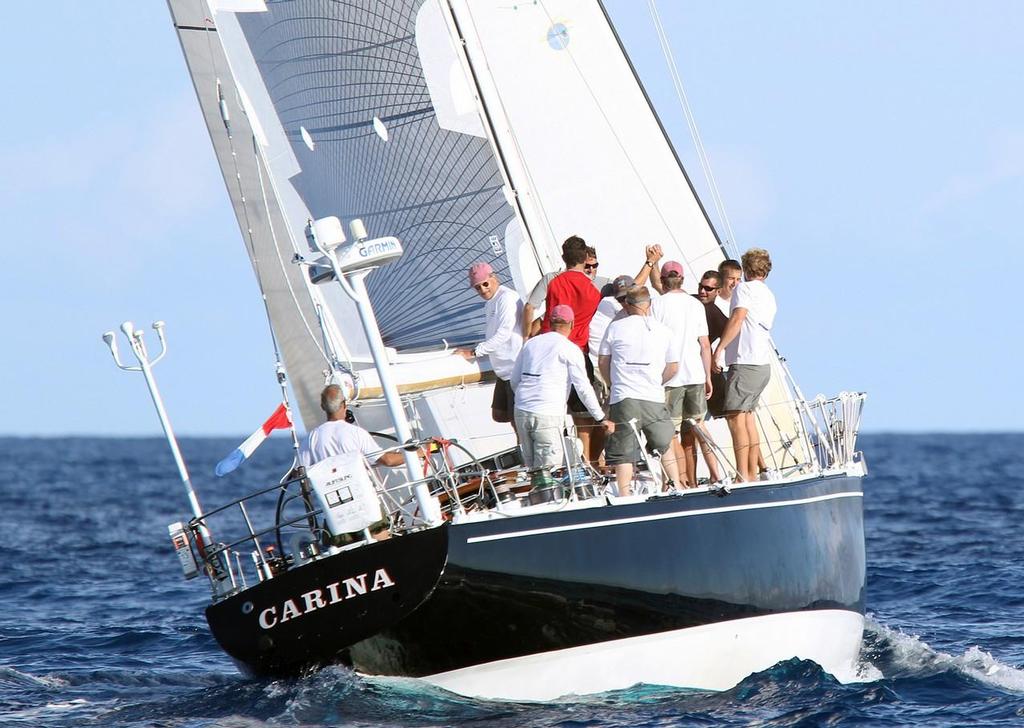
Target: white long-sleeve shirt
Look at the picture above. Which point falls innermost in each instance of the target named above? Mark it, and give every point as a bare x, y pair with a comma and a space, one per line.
547, 366
503, 314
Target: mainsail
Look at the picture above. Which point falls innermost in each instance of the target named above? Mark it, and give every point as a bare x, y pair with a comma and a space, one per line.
347, 85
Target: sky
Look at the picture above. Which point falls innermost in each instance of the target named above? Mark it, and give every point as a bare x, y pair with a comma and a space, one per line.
876, 149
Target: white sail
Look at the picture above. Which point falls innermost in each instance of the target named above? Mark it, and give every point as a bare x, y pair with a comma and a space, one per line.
591, 152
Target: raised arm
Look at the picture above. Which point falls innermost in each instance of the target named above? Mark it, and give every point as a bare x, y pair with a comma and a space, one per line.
537, 296
651, 268
527, 327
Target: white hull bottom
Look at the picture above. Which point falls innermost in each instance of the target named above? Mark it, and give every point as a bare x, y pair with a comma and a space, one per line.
709, 657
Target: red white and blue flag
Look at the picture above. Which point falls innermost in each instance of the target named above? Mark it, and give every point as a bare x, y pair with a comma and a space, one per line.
277, 421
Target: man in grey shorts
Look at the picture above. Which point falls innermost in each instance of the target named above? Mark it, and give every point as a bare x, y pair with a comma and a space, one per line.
748, 354
637, 356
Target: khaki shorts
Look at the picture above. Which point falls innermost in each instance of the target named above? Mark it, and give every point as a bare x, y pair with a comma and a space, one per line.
540, 439
686, 403
744, 386
651, 418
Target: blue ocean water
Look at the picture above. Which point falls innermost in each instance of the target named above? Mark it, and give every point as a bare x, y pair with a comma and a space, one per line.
97, 627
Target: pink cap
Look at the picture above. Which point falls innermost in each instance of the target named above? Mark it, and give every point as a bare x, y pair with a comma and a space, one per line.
479, 272
672, 268
563, 313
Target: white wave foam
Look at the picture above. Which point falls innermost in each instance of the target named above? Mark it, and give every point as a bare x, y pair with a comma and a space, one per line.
861, 671
39, 713
9, 674
912, 655
982, 666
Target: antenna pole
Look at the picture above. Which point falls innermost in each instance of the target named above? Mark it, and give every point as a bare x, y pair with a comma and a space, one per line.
351, 264
138, 346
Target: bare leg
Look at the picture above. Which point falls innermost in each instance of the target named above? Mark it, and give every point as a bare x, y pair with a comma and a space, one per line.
585, 433
598, 435
592, 437
709, 456
689, 448
754, 441
623, 476
740, 443
670, 464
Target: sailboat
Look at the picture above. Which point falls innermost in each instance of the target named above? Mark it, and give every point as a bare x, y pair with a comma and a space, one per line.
446, 132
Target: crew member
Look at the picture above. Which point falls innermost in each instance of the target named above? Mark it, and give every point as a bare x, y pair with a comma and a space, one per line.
547, 367
748, 350
336, 436
638, 355
503, 312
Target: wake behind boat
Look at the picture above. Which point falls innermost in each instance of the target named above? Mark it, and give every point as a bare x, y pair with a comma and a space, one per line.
456, 132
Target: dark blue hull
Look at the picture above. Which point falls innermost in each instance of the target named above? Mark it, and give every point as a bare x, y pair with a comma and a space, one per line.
510, 587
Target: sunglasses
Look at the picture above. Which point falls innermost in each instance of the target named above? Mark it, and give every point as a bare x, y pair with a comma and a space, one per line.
590, 266
482, 286
708, 289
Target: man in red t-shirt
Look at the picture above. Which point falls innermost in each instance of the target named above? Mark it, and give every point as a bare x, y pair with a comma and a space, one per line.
574, 289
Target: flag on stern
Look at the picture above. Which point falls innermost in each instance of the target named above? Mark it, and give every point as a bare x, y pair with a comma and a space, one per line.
277, 421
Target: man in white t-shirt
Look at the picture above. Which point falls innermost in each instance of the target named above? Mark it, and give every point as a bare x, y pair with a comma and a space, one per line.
748, 350
731, 273
336, 436
503, 312
687, 393
547, 367
638, 355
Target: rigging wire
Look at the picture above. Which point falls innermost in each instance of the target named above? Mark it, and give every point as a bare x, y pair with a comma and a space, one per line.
261, 165
691, 122
731, 245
